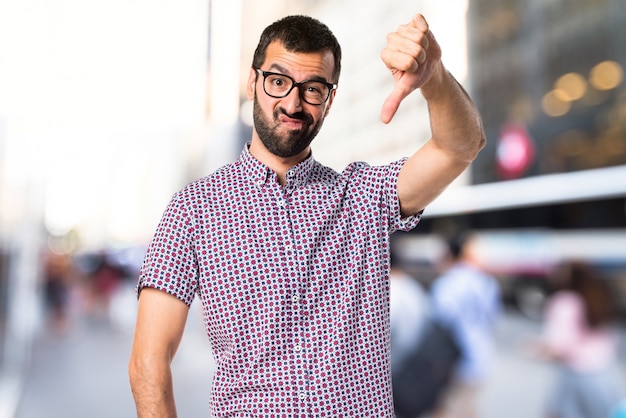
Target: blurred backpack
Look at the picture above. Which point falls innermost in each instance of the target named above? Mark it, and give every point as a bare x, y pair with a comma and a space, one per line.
425, 372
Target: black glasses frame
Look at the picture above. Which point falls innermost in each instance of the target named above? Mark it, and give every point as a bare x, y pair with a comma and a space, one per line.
294, 83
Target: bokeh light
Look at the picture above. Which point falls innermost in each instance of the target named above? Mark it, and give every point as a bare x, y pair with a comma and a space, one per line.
606, 75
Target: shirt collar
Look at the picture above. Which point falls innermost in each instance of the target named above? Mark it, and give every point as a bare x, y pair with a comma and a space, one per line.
253, 168
259, 173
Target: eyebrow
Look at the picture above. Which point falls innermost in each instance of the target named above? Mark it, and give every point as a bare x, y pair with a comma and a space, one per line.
279, 68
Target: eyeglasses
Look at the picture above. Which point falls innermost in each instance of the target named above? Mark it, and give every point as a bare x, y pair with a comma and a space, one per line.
278, 85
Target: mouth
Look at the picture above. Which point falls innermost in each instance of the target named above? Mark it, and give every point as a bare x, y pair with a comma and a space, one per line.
293, 122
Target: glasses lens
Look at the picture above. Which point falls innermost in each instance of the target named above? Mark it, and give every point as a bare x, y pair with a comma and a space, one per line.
314, 92
277, 85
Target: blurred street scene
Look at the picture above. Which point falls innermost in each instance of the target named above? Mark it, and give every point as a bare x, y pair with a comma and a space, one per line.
84, 373
108, 108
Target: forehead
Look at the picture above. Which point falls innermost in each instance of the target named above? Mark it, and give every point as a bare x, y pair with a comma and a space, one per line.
299, 64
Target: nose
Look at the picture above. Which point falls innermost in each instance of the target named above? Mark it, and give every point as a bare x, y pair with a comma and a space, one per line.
293, 101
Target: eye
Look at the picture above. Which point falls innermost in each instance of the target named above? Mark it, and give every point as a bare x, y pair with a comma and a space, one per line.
278, 81
315, 88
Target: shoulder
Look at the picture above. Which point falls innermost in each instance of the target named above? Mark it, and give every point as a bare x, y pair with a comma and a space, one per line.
363, 173
217, 180
364, 167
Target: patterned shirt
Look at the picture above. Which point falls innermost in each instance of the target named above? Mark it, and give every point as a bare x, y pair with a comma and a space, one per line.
294, 284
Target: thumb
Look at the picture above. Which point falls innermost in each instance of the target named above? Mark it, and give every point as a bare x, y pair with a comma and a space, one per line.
391, 104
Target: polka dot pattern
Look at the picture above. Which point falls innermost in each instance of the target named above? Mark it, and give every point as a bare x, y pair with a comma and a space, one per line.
293, 282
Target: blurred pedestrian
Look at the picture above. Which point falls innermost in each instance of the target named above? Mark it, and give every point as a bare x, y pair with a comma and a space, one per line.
423, 352
580, 334
106, 278
288, 257
57, 279
466, 298
409, 308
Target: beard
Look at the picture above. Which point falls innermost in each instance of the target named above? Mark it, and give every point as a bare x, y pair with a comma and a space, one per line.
291, 143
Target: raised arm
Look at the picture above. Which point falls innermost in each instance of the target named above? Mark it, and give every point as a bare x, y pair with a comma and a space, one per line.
414, 58
161, 321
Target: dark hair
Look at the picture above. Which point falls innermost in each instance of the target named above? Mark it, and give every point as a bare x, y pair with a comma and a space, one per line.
457, 243
593, 288
299, 34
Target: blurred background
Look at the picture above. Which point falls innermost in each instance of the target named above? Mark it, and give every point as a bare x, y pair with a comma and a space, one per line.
109, 107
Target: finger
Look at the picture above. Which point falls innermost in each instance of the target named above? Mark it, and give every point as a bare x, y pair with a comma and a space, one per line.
419, 22
425, 43
391, 105
412, 43
421, 57
399, 60
412, 34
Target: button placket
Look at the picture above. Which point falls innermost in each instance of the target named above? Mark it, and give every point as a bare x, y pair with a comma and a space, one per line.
291, 271
297, 340
298, 350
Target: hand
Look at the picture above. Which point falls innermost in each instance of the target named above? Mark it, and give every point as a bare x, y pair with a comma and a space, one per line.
412, 54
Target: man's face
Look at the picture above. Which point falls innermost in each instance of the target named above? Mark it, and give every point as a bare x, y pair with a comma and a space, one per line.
286, 126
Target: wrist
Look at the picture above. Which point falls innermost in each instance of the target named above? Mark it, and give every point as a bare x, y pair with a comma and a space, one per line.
437, 83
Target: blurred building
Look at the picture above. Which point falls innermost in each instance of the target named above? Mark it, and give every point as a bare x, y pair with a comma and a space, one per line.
100, 105
554, 70
548, 78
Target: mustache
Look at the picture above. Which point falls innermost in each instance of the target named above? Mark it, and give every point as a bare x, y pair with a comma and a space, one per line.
304, 117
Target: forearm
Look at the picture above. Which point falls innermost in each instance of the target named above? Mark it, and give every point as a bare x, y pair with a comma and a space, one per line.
457, 137
455, 122
160, 324
152, 390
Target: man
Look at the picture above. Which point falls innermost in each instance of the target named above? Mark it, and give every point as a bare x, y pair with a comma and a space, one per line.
289, 258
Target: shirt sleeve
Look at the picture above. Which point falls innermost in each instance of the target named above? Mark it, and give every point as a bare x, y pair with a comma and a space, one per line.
170, 264
396, 221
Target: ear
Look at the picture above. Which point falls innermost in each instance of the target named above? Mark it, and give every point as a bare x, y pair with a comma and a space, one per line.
251, 83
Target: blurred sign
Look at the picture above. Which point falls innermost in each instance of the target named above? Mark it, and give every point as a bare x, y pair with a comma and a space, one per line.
515, 151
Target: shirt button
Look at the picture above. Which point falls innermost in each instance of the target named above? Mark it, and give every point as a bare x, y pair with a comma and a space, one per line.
302, 395
259, 183
281, 203
289, 248
295, 298
297, 348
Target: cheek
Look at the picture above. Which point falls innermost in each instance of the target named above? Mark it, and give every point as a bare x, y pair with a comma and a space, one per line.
265, 112
321, 114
